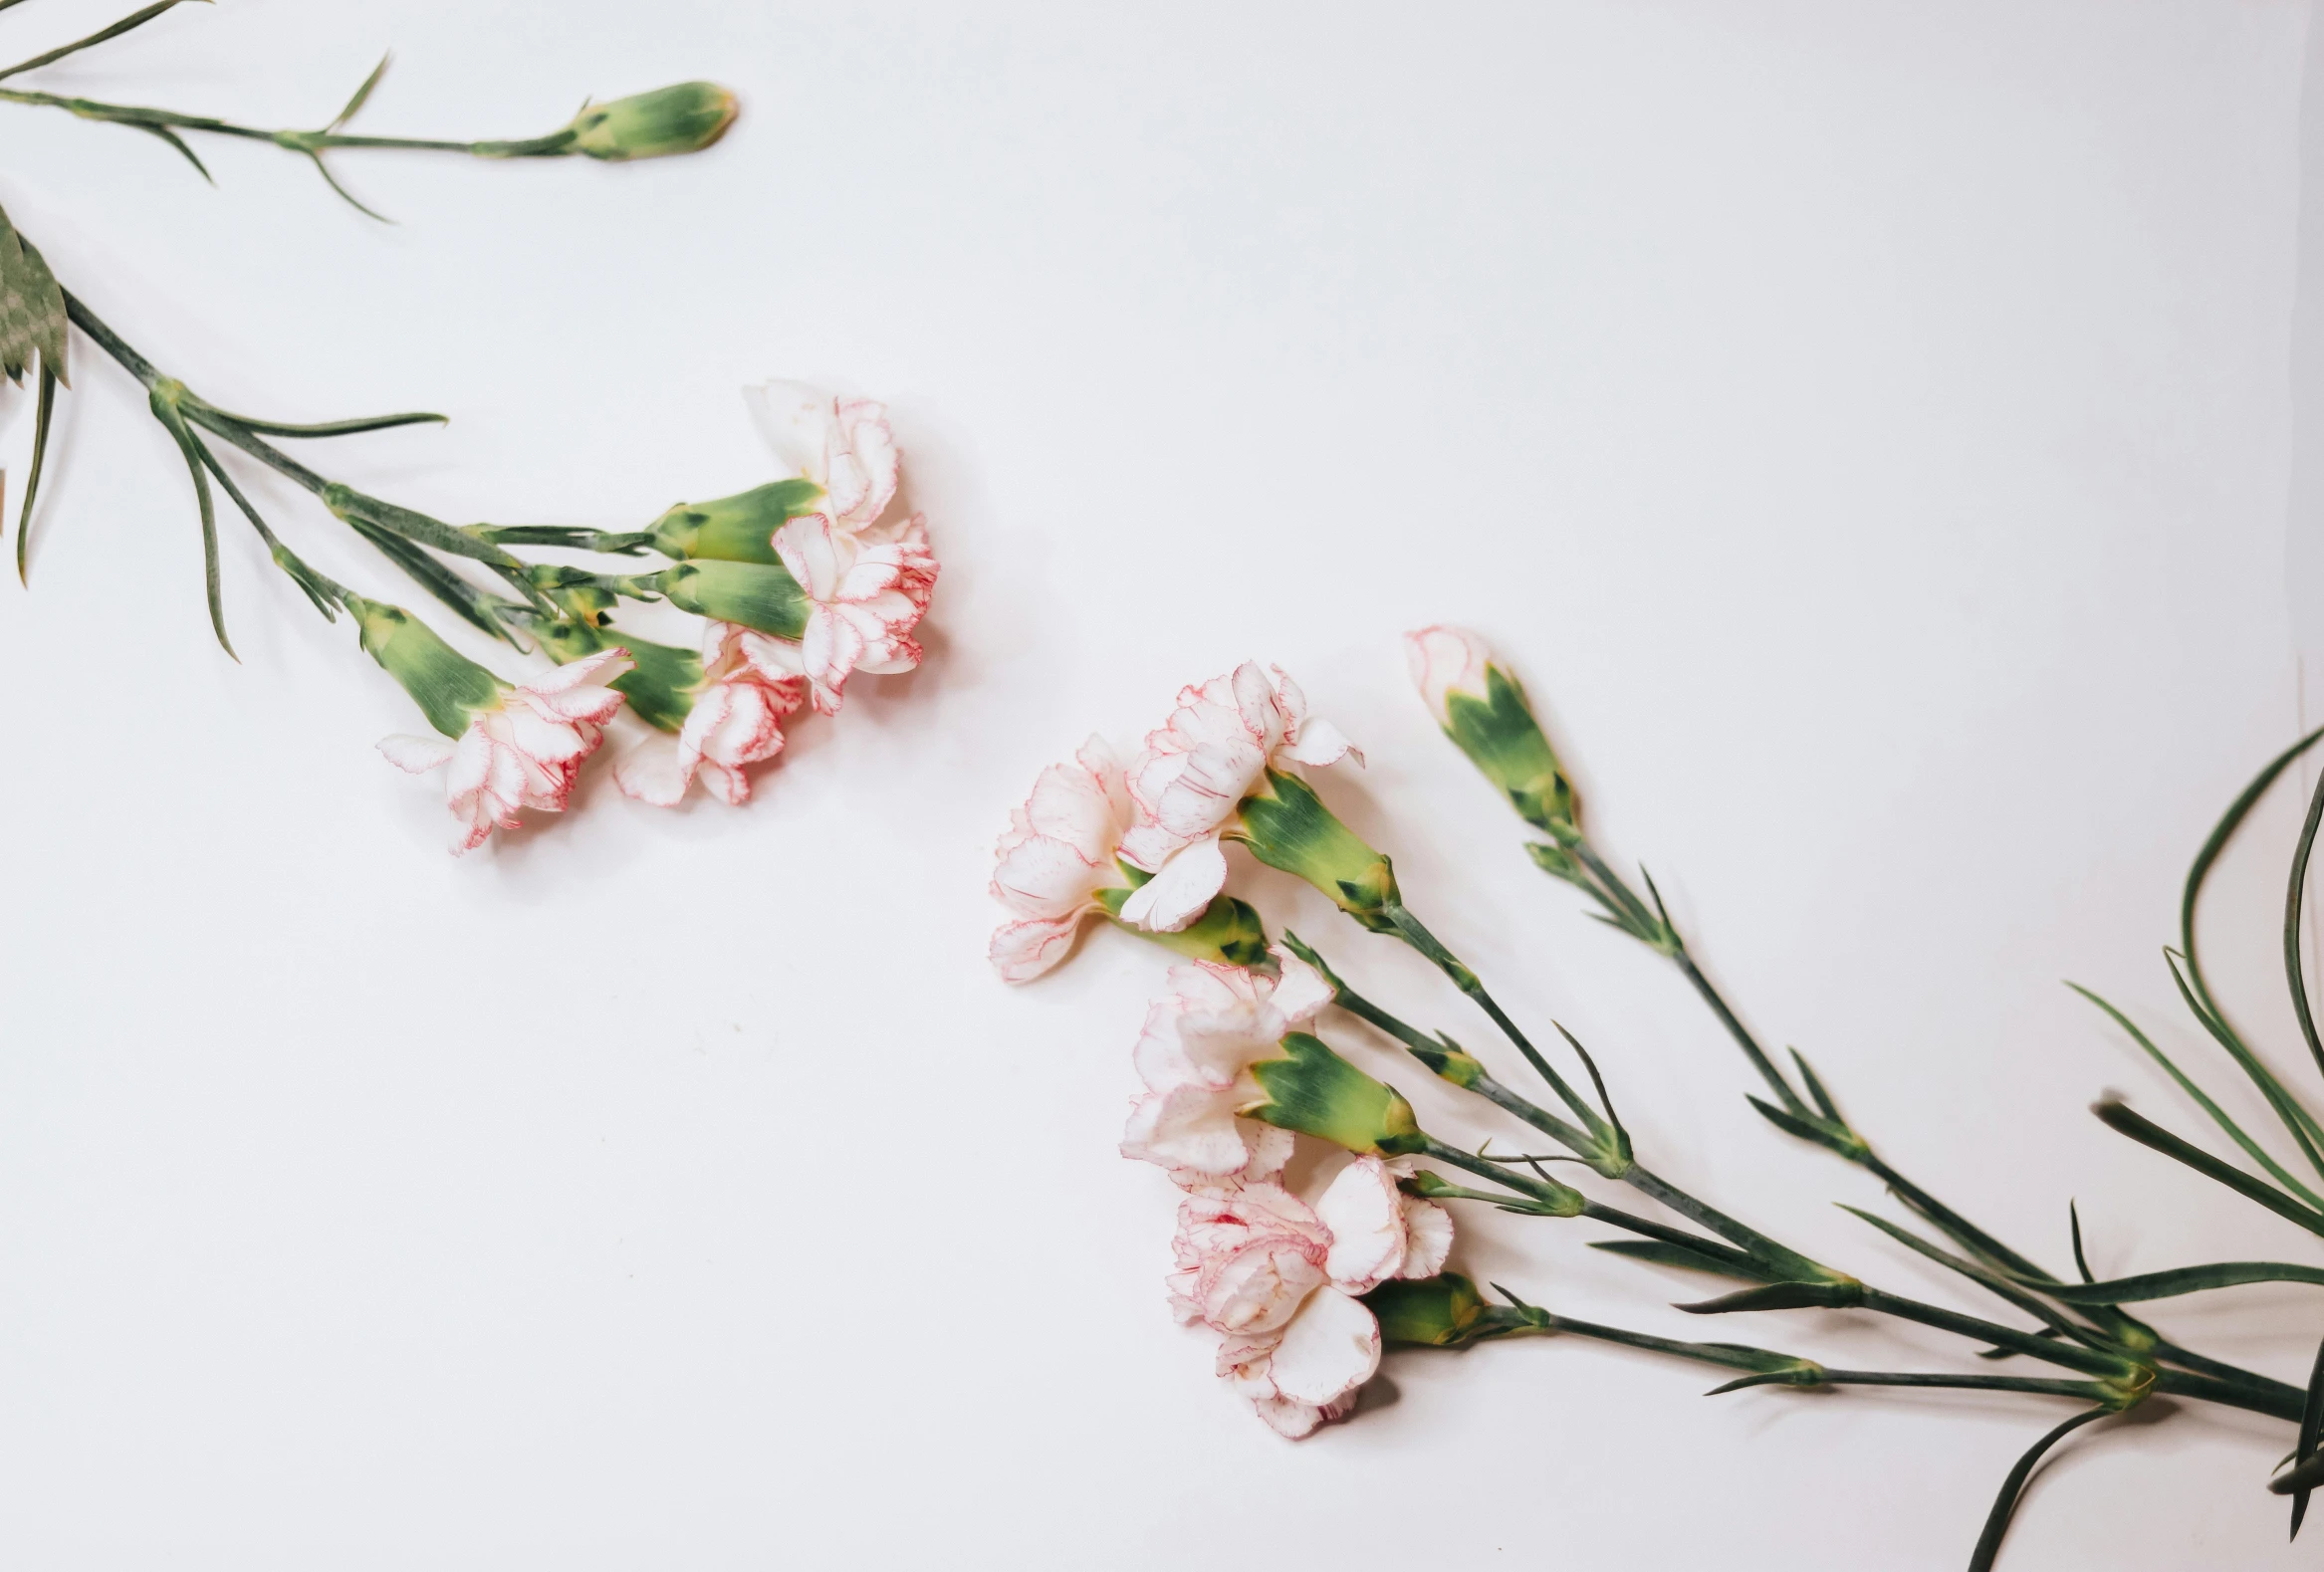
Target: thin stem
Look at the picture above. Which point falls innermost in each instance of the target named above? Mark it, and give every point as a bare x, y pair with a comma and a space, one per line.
306, 143
2275, 1399
1741, 1034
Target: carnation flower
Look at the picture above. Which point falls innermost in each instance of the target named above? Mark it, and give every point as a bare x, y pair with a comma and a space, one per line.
1217, 744
736, 719
844, 445
522, 749
1282, 1281
1195, 1056
865, 596
1059, 854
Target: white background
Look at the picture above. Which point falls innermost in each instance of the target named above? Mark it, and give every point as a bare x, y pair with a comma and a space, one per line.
1865, 425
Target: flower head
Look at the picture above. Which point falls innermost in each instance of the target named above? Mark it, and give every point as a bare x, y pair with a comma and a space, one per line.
1445, 661
736, 719
865, 596
1195, 1056
523, 749
843, 445
1280, 1280
1195, 771
1058, 855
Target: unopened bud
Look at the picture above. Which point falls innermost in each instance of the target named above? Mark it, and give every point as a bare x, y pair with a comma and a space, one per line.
682, 120
1483, 711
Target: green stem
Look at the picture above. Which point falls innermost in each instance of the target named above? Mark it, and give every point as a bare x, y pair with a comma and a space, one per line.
304, 142
2275, 1399
2295, 970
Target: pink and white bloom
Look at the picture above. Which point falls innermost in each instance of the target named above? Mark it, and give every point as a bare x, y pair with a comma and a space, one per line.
1282, 1281
1197, 769
844, 445
526, 751
1195, 1056
1445, 661
867, 596
1057, 859
737, 720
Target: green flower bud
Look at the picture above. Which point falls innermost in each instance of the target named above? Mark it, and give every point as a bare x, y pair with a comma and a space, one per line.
1483, 711
447, 685
1507, 746
1229, 931
1314, 1091
761, 596
1286, 826
733, 528
1443, 1311
682, 120
660, 687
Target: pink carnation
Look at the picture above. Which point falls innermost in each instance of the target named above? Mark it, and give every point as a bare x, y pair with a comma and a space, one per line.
737, 720
1216, 748
1057, 859
525, 752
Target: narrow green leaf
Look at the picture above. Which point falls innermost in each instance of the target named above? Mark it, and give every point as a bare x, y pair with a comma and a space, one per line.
345, 195
2311, 1429
39, 453
1782, 1296
2295, 970
2228, 822
2074, 1226
470, 604
178, 142
362, 96
2149, 1134
1656, 1252
2203, 1100
165, 411
334, 428
2005, 1504
2182, 1280
101, 36
2305, 1131
1985, 1278
1815, 1088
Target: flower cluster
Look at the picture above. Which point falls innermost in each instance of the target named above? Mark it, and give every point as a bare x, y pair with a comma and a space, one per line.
802, 582
1229, 1071
1141, 844
1278, 1278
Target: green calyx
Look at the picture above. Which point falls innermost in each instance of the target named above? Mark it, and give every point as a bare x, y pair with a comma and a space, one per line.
761, 596
1507, 746
660, 687
739, 529
1445, 1312
1314, 1091
1229, 931
1286, 826
682, 120
448, 687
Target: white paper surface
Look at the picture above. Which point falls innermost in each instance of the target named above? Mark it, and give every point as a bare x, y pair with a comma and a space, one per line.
1867, 427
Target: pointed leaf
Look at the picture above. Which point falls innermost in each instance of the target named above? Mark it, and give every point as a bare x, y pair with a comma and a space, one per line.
2005, 1504
362, 96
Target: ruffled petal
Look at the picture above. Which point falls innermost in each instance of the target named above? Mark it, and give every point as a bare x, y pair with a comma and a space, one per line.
1332, 1347
1179, 891
655, 772
1022, 951
419, 755
1365, 1213
1428, 1229
1190, 1127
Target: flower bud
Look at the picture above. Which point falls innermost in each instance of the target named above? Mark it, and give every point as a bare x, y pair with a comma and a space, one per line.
1229, 931
1314, 1091
1286, 826
660, 685
682, 120
448, 687
1483, 711
758, 596
737, 529
1443, 1311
